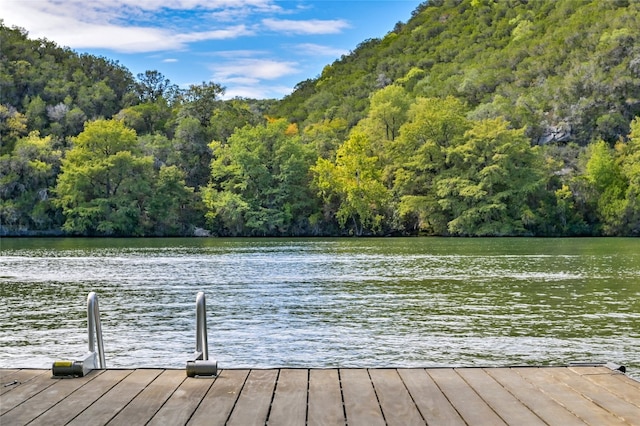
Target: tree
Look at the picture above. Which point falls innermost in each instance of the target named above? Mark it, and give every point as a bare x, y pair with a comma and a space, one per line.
326, 135
191, 151
13, 125
260, 182
604, 175
147, 117
387, 112
419, 155
153, 86
229, 116
630, 165
173, 206
98, 100
354, 182
488, 180
105, 184
25, 178
200, 100
614, 176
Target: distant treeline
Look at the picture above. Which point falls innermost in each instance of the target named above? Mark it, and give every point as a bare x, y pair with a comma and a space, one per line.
474, 118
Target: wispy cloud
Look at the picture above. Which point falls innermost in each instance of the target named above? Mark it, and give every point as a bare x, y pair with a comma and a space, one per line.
319, 50
265, 91
238, 11
120, 25
222, 34
311, 26
260, 57
235, 54
251, 71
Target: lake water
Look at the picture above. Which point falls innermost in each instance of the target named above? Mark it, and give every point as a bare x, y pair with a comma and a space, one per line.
412, 302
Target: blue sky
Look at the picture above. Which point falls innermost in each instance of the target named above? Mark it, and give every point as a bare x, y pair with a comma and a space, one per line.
254, 48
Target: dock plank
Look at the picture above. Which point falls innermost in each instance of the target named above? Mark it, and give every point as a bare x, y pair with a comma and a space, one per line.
289, 404
19, 378
24, 389
507, 406
67, 409
219, 401
112, 402
472, 408
183, 402
5, 373
360, 400
615, 375
350, 396
537, 401
252, 407
433, 405
43, 401
613, 381
396, 403
569, 398
603, 398
145, 405
325, 405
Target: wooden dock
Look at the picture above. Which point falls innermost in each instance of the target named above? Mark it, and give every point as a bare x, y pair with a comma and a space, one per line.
413, 396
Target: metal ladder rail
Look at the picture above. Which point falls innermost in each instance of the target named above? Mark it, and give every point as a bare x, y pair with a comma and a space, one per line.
201, 365
91, 360
94, 328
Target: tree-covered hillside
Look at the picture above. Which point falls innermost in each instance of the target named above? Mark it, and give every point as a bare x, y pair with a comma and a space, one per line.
568, 70
475, 117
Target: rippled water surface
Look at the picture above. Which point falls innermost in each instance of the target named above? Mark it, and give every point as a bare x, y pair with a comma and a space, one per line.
325, 303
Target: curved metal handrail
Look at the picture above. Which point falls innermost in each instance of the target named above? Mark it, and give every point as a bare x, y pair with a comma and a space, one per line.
202, 346
200, 365
82, 365
94, 328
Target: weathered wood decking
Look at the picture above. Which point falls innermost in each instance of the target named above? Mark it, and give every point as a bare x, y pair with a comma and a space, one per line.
456, 396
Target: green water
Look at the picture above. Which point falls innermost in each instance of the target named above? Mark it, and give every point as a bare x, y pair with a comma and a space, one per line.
325, 302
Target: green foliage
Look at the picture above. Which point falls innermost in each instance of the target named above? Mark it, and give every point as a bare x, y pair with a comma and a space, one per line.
260, 183
37, 76
614, 176
353, 182
152, 86
200, 100
604, 175
419, 156
25, 178
173, 207
629, 158
191, 151
104, 184
543, 65
147, 117
388, 111
474, 117
488, 181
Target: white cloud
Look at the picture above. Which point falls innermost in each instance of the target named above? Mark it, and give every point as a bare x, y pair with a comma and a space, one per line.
319, 50
237, 11
257, 92
253, 78
153, 5
223, 34
235, 54
100, 24
252, 70
169, 27
311, 26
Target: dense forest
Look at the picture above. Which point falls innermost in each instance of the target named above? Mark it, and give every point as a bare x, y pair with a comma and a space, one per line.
473, 118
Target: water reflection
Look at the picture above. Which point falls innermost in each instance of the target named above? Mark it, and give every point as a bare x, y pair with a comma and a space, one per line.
350, 302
